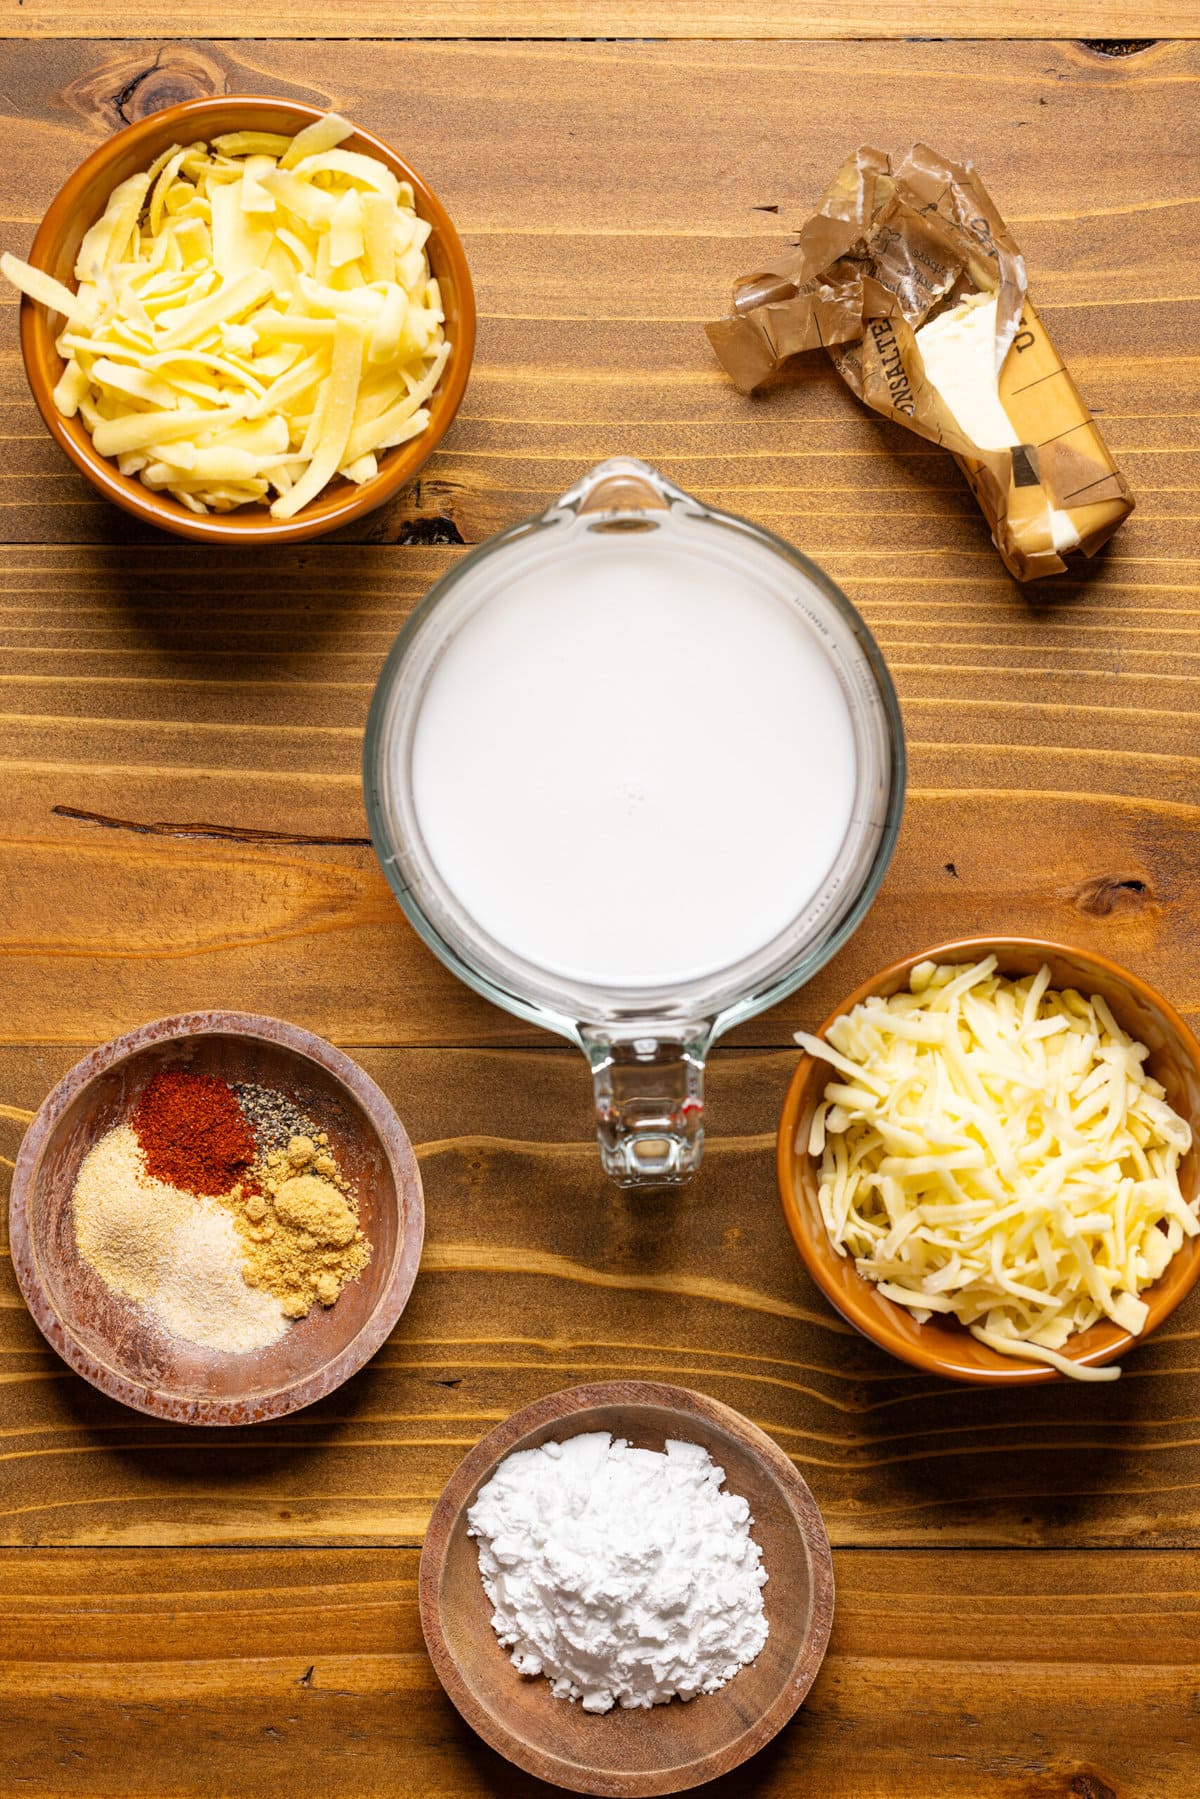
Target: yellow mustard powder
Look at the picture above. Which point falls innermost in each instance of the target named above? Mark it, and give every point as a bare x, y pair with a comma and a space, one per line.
300, 1235
310, 1203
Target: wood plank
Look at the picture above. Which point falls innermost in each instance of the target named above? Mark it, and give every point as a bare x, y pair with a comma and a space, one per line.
146, 686
1093, 19
593, 294
179, 736
1055, 1676
158, 688
538, 1275
198, 706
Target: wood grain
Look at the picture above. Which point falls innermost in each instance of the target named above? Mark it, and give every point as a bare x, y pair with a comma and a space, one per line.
537, 1275
192, 703
296, 1674
593, 294
1095, 19
155, 686
193, 1612
184, 827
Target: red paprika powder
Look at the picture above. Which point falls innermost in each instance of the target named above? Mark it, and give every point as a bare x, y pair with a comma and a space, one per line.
192, 1132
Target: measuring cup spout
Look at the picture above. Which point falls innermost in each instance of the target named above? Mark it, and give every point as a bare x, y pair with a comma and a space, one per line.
649, 1102
620, 490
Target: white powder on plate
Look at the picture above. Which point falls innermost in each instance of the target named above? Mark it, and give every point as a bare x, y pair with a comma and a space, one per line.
179, 1255
205, 1299
625, 1576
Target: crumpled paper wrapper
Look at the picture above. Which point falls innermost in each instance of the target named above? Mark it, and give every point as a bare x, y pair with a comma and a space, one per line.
885, 249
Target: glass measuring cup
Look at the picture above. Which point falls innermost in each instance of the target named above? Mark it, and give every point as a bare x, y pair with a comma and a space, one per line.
646, 1040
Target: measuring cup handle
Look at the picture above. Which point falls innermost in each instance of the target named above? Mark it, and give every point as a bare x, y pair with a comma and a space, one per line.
649, 1104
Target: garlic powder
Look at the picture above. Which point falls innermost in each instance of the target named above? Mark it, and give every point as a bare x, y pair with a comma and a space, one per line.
176, 1254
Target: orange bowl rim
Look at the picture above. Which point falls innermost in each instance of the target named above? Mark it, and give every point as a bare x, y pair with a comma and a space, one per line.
327, 512
1162, 1297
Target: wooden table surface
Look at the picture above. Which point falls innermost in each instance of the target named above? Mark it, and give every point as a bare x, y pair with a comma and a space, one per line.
203, 1613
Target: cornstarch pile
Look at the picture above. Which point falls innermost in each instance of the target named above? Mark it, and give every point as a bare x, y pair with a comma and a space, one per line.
221, 1210
625, 1576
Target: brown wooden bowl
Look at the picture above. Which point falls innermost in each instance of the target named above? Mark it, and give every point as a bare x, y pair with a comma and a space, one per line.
943, 1346
670, 1748
82, 199
107, 1338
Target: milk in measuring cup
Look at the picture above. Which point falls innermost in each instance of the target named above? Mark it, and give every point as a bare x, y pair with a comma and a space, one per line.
636, 768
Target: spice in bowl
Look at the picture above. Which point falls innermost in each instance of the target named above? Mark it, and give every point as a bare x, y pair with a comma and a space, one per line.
300, 1233
625, 1576
995, 1151
273, 1118
196, 1211
175, 1252
192, 1133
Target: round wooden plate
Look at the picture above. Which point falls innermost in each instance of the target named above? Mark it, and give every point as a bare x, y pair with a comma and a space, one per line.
670, 1748
112, 1342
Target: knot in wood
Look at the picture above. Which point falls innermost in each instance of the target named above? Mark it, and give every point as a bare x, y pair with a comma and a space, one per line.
1106, 894
126, 87
1090, 1786
169, 82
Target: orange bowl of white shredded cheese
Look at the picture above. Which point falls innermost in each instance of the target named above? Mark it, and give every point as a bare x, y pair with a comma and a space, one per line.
246, 320
988, 1160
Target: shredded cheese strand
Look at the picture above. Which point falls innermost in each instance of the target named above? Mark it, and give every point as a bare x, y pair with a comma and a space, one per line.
995, 1151
262, 276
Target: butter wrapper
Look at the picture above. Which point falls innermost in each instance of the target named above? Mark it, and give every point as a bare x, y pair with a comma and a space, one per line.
889, 253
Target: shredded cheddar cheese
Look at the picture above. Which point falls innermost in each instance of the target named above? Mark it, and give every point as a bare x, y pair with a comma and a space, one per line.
995, 1150
253, 317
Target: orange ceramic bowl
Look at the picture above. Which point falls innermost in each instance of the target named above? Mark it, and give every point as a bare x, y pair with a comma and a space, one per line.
81, 201
943, 1346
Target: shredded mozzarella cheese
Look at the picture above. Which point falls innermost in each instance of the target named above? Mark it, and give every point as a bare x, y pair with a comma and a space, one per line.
995, 1150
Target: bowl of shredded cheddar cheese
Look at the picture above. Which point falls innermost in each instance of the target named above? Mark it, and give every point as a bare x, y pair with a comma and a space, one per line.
246, 320
988, 1160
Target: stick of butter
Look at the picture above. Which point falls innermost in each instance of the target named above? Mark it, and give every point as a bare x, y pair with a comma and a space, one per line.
909, 278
